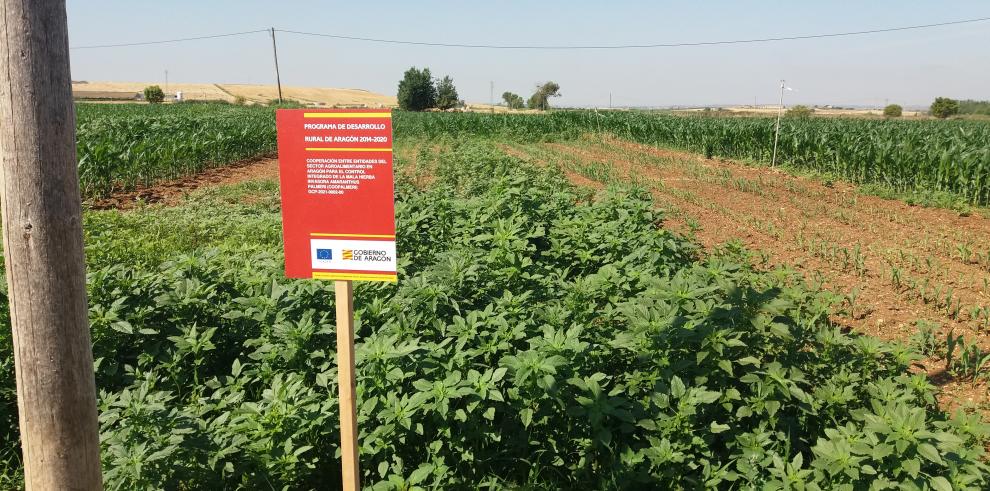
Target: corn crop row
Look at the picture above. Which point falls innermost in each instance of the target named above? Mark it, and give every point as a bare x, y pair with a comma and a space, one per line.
940, 156
120, 147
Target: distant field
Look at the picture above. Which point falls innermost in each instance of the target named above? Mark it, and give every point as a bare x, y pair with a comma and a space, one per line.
819, 111
926, 157
321, 96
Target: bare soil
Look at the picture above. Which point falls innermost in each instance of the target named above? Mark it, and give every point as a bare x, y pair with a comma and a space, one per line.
173, 192
894, 264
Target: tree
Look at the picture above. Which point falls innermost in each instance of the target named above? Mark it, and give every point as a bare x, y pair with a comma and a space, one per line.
943, 107
541, 98
800, 111
893, 111
416, 90
513, 101
446, 94
154, 94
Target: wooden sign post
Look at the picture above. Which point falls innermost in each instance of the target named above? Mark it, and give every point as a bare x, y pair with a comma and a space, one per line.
350, 471
338, 223
43, 250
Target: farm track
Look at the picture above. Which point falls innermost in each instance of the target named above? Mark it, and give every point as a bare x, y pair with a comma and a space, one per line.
895, 264
172, 192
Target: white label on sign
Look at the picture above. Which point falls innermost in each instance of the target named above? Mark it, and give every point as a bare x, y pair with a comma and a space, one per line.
353, 255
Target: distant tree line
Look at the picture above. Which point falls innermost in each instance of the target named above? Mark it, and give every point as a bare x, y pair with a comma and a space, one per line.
419, 91
974, 107
539, 100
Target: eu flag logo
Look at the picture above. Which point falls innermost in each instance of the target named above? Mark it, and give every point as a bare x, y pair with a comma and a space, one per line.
325, 254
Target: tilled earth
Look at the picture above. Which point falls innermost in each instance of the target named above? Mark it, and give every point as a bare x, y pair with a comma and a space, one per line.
896, 265
172, 192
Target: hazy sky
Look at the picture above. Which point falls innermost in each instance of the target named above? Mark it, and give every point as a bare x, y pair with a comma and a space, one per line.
910, 67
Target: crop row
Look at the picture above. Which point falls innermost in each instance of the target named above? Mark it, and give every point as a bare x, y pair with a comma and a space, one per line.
904, 156
122, 146
537, 339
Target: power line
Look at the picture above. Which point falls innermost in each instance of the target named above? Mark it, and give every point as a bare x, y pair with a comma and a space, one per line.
166, 41
546, 47
632, 46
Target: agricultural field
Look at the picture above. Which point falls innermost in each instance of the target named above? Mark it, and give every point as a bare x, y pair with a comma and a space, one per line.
121, 147
586, 300
250, 93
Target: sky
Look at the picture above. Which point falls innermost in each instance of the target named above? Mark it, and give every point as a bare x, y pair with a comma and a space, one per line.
908, 67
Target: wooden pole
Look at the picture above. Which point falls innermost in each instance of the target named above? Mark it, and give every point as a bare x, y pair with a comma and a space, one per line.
43, 248
776, 128
278, 78
345, 374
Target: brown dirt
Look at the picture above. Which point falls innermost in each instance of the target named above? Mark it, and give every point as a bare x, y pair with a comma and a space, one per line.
895, 264
172, 192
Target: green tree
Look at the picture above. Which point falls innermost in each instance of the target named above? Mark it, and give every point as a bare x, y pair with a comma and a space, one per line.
154, 94
974, 107
513, 101
943, 107
416, 90
541, 98
800, 111
893, 111
446, 94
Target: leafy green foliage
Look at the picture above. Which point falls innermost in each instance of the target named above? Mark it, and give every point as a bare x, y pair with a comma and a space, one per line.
902, 156
893, 111
121, 146
541, 98
539, 337
974, 107
799, 111
943, 107
416, 90
154, 94
447, 94
513, 101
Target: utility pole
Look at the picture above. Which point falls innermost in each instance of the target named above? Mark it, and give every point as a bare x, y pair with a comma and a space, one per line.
166, 83
278, 78
491, 95
43, 250
776, 132
610, 100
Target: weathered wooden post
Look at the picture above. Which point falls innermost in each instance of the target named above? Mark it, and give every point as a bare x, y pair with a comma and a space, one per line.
43, 247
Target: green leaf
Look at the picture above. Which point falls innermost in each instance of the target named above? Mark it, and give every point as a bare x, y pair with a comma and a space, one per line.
677, 388
719, 428
929, 452
527, 416
940, 483
420, 474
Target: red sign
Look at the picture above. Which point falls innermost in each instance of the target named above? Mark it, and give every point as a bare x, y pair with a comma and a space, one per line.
338, 213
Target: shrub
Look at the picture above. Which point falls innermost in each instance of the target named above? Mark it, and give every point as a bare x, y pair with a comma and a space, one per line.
943, 107
893, 111
285, 104
800, 111
240, 100
154, 94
